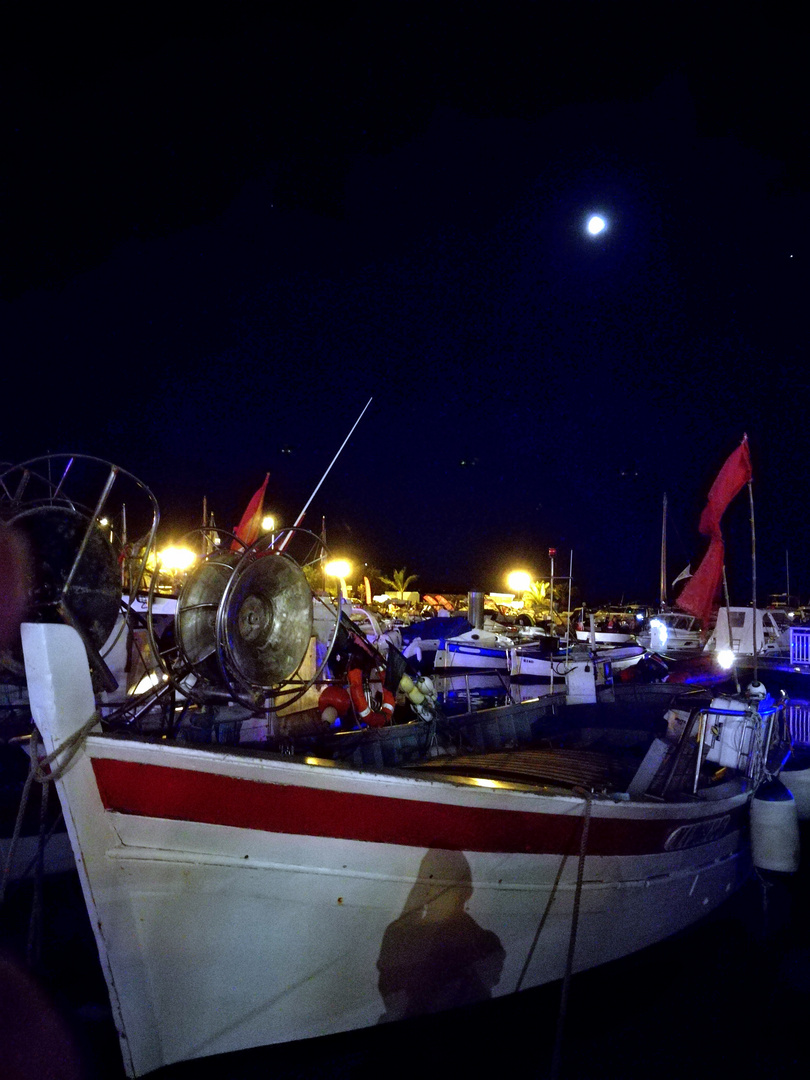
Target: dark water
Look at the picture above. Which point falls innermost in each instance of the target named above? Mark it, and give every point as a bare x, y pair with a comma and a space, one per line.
731, 995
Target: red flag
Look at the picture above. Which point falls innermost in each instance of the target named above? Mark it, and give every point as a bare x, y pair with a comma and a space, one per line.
699, 593
250, 526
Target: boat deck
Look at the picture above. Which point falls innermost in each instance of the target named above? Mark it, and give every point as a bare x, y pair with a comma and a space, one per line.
559, 767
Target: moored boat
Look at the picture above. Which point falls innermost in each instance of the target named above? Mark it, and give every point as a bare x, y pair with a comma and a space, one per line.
673, 634
244, 897
258, 870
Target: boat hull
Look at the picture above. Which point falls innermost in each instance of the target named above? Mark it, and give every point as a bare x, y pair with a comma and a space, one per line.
242, 899
225, 936
465, 657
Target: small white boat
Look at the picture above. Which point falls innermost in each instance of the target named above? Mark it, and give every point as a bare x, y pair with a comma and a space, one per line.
762, 644
610, 627
475, 649
540, 665
672, 633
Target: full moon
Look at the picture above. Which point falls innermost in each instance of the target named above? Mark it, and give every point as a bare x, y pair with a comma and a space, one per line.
596, 225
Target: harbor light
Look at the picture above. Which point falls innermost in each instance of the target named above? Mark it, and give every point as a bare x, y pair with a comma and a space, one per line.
519, 581
340, 569
596, 224
176, 559
268, 523
725, 658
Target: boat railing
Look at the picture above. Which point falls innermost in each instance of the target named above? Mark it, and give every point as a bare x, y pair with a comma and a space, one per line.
799, 722
484, 671
752, 733
740, 741
800, 644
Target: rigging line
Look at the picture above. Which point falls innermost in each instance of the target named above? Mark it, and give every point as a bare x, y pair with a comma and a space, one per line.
543, 920
300, 517
583, 847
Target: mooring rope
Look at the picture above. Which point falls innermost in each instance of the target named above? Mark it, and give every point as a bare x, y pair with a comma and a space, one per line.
542, 922
40, 771
556, 1060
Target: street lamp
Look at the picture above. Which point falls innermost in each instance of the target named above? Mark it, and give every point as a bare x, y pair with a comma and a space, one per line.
519, 581
174, 561
340, 569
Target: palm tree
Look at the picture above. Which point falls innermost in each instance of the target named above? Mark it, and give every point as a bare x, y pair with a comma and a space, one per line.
535, 596
537, 599
399, 581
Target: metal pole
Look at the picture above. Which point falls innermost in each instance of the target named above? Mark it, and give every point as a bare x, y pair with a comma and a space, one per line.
728, 619
664, 556
551, 554
300, 517
787, 579
753, 574
568, 621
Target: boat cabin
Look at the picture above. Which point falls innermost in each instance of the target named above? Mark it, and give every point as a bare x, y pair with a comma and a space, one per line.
736, 626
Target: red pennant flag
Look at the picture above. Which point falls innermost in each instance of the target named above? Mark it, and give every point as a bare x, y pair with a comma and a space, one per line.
699, 593
250, 526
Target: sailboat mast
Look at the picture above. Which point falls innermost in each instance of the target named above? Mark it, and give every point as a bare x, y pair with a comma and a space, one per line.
754, 575
663, 581
787, 579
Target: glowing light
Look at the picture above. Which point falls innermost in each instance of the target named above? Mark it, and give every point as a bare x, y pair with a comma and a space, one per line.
725, 658
479, 781
176, 559
658, 634
148, 682
268, 523
519, 581
596, 225
339, 568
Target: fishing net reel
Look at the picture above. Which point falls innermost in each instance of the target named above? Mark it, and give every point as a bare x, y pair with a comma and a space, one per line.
243, 625
66, 523
249, 626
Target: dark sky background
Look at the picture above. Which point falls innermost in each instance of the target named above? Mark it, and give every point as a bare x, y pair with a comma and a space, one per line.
224, 233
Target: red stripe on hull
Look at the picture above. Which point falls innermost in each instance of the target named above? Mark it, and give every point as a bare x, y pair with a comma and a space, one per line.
185, 795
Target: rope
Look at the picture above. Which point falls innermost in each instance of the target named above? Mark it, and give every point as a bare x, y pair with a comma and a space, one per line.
542, 922
557, 1055
34, 944
40, 770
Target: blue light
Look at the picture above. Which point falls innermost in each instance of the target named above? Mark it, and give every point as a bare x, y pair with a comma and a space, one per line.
596, 225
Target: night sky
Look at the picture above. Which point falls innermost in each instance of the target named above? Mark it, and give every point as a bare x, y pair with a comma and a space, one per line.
224, 234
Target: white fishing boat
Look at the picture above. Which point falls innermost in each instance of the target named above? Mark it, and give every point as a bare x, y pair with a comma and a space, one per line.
442, 644
475, 648
247, 897
345, 859
537, 663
